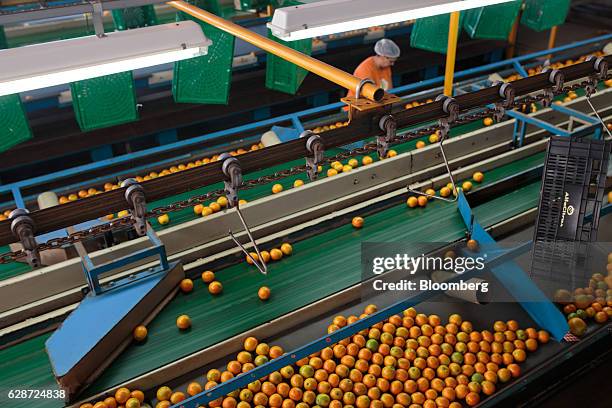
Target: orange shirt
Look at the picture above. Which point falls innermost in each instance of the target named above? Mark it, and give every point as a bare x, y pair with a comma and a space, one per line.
368, 69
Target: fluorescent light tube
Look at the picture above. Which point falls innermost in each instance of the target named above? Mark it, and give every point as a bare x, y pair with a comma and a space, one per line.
335, 16
59, 62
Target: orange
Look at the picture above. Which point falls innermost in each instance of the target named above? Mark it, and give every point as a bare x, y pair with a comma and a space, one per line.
100, 404
140, 333
254, 256
263, 293
206, 211
222, 201
197, 209
216, 207
110, 402
346, 168
122, 395
133, 403
277, 188
420, 144
182, 322
163, 219
357, 222
215, 287
433, 138
422, 200
139, 395
83, 193
391, 153
478, 177
298, 183
353, 163
367, 160
412, 202
487, 121
276, 351
250, 343
164, 393
472, 245
332, 172
194, 388
186, 285
286, 248
276, 254
467, 186
265, 256
176, 397
208, 276
445, 192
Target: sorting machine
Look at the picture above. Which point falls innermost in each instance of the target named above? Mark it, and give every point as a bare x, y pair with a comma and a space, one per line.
51, 326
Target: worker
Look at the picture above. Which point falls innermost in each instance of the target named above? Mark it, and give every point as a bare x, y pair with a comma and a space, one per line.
378, 67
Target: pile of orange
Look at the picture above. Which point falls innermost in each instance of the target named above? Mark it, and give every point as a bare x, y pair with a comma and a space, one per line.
593, 302
417, 103
213, 207
275, 254
123, 398
5, 215
554, 65
412, 360
325, 128
445, 191
154, 174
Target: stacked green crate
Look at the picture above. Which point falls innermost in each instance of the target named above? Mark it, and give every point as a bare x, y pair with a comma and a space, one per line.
134, 17
205, 79
431, 33
540, 15
104, 101
14, 127
492, 22
283, 75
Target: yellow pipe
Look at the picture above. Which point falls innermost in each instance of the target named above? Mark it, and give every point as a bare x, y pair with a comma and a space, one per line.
512, 37
313, 65
552, 38
451, 52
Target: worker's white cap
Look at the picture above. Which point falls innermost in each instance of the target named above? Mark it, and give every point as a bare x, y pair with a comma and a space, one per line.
387, 48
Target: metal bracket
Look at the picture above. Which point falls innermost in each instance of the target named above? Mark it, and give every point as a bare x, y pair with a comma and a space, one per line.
555, 77
388, 125
360, 85
451, 107
22, 226
506, 91
233, 179
600, 66
97, 16
314, 145
135, 196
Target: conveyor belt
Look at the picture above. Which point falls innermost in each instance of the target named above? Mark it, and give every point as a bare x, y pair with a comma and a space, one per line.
9, 270
316, 270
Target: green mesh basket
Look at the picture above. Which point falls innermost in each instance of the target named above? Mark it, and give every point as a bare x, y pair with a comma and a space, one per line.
540, 15
3, 42
431, 33
134, 17
282, 75
491, 22
105, 101
14, 127
206, 79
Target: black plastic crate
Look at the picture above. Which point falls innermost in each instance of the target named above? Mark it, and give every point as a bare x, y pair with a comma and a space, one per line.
571, 196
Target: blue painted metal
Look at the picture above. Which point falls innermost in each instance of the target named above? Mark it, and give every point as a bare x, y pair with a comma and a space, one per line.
297, 124
516, 281
97, 316
268, 122
521, 124
17, 197
93, 272
519, 68
286, 134
101, 153
167, 136
499, 257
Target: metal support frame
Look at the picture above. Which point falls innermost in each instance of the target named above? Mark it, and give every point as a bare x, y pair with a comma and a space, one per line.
24, 229
315, 146
93, 272
15, 188
514, 279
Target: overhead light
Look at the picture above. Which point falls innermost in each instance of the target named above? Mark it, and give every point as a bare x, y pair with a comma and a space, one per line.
59, 62
336, 16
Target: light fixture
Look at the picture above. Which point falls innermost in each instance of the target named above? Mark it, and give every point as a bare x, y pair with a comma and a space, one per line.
59, 62
336, 16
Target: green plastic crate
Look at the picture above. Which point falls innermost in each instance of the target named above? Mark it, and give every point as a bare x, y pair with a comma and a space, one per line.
282, 75
3, 42
540, 15
134, 17
206, 79
14, 127
491, 22
431, 33
105, 101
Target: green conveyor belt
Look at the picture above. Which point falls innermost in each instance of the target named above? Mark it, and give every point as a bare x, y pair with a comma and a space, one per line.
319, 267
15, 268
